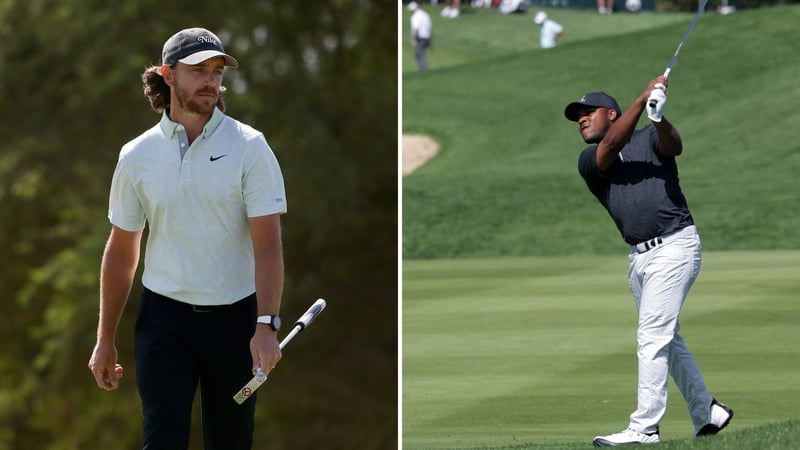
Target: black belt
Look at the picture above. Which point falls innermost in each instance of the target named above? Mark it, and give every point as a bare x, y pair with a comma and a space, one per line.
650, 244
197, 308
646, 246
208, 308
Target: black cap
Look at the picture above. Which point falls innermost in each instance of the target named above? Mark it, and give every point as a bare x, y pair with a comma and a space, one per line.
596, 99
193, 46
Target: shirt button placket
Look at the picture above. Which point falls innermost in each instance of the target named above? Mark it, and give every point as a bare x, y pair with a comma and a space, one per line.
186, 167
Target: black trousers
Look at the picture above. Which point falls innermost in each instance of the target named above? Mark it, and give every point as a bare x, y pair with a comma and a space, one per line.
177, 348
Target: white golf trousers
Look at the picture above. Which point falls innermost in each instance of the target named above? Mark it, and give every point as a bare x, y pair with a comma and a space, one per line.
660, 280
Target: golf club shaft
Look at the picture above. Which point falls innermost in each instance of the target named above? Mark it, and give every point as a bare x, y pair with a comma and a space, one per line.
685, 36
290, 336
683, 41
260, 376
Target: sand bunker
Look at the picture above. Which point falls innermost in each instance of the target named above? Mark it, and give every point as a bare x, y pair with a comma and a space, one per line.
417, 150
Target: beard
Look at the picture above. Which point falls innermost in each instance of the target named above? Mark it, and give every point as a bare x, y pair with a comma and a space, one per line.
592, 140
196, 105
591, 136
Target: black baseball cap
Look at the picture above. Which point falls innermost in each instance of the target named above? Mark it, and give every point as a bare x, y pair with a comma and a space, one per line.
193, 46
596, 99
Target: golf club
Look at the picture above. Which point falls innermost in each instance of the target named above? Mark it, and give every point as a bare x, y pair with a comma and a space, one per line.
260, 377
683, 41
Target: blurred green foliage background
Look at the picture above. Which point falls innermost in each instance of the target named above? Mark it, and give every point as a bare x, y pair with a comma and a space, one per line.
320, 80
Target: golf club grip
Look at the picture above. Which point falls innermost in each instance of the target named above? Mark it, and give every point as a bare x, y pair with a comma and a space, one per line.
312, 312
260, 377
666, 75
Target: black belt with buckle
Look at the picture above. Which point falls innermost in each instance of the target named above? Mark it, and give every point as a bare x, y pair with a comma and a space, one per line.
646, 246
209, 308
197, 308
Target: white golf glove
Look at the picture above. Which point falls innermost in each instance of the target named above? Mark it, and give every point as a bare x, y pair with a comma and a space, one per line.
656, 102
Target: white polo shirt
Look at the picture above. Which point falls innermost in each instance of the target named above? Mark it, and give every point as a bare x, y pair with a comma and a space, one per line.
199, 249
421, 25
548, 33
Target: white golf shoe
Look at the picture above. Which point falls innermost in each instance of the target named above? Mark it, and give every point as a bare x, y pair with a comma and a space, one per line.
624, 438
719, 418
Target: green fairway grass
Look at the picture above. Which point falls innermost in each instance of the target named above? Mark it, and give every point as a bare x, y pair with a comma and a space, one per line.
505, 182
539, 352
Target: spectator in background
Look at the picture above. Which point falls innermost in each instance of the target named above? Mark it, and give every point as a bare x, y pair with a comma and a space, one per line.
549, 30
605, 7
633, 6
513, 6
421, 34
452, 10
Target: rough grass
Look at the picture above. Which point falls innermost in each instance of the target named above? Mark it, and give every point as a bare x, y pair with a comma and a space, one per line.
505, 181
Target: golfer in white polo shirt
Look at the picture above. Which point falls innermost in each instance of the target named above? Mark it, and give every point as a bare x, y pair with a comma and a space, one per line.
211, 193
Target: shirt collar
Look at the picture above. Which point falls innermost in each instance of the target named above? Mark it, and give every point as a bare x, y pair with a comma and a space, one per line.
169, 127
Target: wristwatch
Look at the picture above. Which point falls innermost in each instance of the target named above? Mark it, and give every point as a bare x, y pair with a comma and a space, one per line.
274, 322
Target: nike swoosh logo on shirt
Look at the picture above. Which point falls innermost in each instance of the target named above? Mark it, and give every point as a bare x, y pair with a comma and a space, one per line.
214, 158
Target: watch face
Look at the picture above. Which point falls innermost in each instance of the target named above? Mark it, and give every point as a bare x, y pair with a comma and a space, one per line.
276, 322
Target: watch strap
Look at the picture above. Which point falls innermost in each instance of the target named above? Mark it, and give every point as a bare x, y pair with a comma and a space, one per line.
272, 320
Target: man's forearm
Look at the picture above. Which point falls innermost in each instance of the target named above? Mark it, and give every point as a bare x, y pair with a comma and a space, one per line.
670, 143
116, 278
112, 303
618, 135
621, 131
269, 279
268, 253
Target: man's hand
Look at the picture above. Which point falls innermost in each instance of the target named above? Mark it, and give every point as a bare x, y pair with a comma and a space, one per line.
104, 367
264, 348
656, 101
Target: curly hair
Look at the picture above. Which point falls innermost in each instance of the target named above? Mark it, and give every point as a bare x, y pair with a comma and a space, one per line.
157, 90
